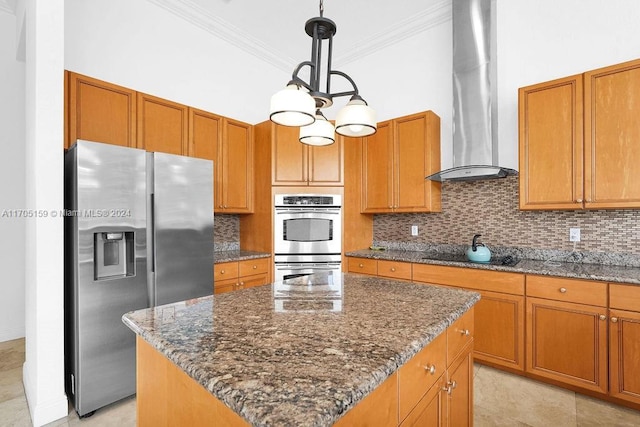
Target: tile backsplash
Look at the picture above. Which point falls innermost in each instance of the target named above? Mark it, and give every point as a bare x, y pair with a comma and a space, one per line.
226, 233
490, 208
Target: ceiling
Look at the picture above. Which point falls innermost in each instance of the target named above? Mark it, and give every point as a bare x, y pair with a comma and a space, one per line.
274, 30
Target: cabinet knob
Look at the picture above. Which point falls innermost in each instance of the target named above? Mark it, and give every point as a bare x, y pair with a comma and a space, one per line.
430, 369
579, 201
563, 290
450, 386
360, 265
255, 267
221, 271
465, 332
603, 317
614, 320
241, 283
393, 269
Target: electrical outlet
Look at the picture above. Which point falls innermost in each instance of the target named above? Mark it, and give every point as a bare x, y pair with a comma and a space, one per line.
574, 234
414, 230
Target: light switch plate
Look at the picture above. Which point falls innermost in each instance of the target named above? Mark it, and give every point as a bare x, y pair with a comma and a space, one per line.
414, 230
574, 234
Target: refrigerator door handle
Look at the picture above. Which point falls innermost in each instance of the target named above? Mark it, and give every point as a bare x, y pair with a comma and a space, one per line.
152, 227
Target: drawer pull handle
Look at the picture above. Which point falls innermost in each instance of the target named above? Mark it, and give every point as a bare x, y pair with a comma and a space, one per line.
430, 369
563, 290
465, 332
614, 320
603, 317
450, 386
221, 271
393, 269
255, 266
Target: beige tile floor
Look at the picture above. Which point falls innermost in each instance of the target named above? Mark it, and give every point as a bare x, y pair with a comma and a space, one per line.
501, 399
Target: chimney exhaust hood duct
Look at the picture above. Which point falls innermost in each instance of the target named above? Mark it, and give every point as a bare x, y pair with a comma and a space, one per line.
475, 153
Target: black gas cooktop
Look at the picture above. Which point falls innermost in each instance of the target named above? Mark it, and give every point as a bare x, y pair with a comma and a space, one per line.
506, 260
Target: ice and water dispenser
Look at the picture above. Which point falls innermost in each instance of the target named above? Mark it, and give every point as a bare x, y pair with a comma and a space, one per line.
114, 255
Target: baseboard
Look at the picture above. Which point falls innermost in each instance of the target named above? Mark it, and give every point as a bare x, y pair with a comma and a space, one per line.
47, 411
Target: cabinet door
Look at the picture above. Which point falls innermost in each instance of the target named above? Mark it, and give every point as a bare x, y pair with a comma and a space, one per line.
551, 144
252, 281
326, 163
223, 286
162, 125
289, 157
499, 329
417, 154
567, 342
430, 410
377, 170
101, 111
460, 390
205, 130
624, 356
235, 164
612, 132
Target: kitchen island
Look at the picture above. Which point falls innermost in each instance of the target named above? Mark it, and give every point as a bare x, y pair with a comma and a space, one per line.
303, 352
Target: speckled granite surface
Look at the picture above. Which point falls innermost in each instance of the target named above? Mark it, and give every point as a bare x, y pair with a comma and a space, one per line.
601, 272
228, 256
304, 351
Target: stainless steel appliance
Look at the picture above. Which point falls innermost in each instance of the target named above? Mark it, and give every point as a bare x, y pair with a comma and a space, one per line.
138, 233
307, 234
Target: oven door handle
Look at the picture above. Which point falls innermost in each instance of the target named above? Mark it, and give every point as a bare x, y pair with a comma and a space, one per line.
305, 268
307, 212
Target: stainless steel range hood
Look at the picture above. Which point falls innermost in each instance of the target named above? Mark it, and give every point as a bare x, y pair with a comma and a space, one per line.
475, 147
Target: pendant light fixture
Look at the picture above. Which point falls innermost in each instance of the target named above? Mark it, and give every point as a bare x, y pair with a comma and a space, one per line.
300, 102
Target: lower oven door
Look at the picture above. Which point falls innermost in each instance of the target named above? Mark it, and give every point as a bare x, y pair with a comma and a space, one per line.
284, 271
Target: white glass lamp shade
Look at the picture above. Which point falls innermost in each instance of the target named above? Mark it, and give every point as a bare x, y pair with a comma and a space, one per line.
292, 106
356, 119
320, 132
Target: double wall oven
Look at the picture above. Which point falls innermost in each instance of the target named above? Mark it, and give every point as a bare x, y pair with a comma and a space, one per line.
307, 234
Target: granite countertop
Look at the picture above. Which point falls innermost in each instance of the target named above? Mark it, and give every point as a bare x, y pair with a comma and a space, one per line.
304, 351
230, 256
601, 272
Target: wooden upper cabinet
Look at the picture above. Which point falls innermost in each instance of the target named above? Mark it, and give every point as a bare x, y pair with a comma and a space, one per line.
298, 164
235, 168
205, 134
100, 111
377, 170
579, 141
612, 136
550, 144
395, 162
163, 125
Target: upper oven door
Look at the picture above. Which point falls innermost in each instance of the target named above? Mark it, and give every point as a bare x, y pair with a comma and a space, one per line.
308, 231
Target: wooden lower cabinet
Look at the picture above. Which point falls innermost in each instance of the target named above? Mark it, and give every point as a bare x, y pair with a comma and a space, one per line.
363, 266
235, 275
459, 389
567, 342
624, 342
431, 409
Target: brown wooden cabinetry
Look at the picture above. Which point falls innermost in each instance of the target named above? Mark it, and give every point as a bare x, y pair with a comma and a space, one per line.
581, 126
100, 111
395, 162
624, 342
163, 125
499, 315
235, 168
295, 163
566, 341
383, 268
234, 275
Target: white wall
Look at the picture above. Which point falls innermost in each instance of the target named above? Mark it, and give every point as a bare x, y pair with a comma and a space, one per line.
43, 371
12, 188
139, 45
546, 39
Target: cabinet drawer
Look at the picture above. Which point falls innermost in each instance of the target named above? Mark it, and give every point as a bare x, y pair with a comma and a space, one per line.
459, 334
484, 280
364, 266
225, 270
394, 269
624, 297
254, 266
569, 290
418, 375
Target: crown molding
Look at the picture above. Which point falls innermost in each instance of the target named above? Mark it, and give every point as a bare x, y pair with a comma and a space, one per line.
200, 17
420, 22
8, 6
222, 29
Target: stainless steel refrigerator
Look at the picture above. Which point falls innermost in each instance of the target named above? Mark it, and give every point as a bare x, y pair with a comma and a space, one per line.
138, 233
